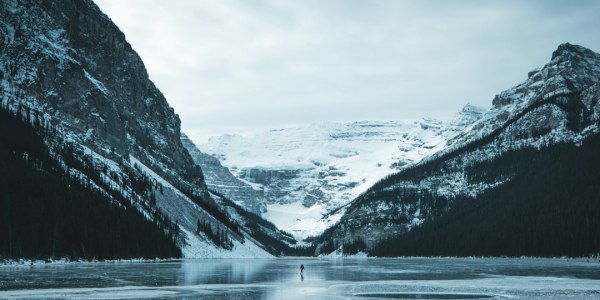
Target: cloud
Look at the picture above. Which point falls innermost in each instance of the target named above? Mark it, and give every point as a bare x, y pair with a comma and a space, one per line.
240, 65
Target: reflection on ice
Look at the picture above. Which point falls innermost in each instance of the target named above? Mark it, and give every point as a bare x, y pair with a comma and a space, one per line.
219, 271
439, 296
322, 279
244, 271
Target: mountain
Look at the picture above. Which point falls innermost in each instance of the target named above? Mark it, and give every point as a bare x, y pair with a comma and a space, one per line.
519, 181
70, 62
305, 172
243, 204
219, 179
66, 67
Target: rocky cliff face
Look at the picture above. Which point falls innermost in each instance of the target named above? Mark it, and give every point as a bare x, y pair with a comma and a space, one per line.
69, 61
558, 103
219, 179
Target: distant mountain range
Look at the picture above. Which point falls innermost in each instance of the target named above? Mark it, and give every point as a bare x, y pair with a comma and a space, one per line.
93, 163
315, 169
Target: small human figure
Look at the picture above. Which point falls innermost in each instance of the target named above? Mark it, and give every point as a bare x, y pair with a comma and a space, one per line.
301, 268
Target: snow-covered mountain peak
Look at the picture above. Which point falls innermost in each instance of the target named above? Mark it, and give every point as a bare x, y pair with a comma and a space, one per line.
571, 69
304, 172
470, 109
462, 120
430, 123
568, 51
466, 115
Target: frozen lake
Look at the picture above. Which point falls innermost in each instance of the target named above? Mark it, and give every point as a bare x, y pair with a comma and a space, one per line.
411, 278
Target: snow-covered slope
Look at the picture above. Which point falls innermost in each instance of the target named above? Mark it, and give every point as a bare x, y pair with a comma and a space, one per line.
305, 172
67, 64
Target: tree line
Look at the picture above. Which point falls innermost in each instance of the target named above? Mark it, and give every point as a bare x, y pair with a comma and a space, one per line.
550, 207
218, 236
46, 213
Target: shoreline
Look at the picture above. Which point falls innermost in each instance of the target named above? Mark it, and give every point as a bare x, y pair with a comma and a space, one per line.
65, 261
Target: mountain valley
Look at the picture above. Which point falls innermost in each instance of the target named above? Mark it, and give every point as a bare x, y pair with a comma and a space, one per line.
95, 165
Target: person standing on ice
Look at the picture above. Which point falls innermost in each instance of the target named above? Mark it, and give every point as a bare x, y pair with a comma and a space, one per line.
301, 268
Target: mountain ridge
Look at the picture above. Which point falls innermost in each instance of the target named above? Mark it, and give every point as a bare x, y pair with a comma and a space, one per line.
539, 115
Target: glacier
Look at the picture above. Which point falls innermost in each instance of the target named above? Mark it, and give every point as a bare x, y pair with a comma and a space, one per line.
305, 173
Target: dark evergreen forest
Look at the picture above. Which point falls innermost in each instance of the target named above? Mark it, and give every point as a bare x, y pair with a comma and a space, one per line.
218, 236
550, 208
45, 214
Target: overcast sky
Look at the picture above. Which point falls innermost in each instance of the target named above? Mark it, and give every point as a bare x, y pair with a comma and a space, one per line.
237, 66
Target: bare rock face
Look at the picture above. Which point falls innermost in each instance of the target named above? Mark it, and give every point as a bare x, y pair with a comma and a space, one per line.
220, 179
67, 60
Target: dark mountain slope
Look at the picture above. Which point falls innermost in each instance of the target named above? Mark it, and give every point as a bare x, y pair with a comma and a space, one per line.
46, 213
550, 208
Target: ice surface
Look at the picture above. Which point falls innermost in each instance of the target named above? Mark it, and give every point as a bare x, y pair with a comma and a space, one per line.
408, 278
